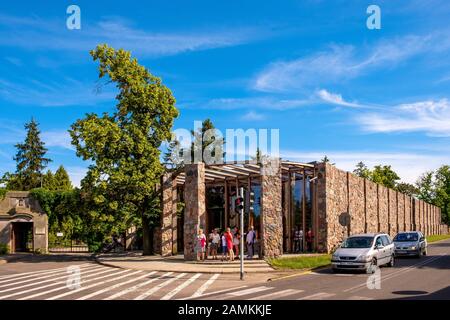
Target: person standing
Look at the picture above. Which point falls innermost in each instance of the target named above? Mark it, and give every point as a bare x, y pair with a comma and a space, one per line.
229, 240
200, 245
224, 247
215, 240
236, 241
309, 240
250, 242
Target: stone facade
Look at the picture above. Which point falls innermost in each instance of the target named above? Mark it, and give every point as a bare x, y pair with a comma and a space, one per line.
271, 209
18, 207
168, 215
195, 207
372, 208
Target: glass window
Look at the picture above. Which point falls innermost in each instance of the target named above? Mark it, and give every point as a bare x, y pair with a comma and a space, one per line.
386, 240
378, 242
357, 242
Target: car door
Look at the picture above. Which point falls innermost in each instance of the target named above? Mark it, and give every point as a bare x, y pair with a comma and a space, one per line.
388, 248
379, 249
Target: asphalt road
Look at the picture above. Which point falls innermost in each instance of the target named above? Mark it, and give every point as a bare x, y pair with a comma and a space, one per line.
55, 278
411, 278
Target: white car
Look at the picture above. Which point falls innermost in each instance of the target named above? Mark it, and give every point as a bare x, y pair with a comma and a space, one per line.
364, 252
410, 243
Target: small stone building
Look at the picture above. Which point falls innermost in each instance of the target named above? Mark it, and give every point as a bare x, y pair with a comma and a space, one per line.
287, 196
23, 224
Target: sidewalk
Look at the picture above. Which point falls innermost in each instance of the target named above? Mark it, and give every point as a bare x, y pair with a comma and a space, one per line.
13, 257
135, 260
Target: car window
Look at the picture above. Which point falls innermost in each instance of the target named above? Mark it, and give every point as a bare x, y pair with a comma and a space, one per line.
378, 242
357, 242
406, 237
385, 240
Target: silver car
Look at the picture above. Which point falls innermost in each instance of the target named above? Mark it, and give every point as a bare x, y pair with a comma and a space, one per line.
412, 243
364, 252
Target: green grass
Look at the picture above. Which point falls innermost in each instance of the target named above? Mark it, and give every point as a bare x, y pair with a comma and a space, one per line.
307, 262
438, 237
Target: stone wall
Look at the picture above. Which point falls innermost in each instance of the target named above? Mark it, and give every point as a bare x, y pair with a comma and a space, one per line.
195, 208
271, 205
372, 208
168, 214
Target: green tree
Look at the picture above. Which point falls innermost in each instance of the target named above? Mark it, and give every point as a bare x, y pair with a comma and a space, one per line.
385, 176
426, 187
30, 161
362, 170
62, 179
407, 188
204, 138
124, 146
48, 180
442, 191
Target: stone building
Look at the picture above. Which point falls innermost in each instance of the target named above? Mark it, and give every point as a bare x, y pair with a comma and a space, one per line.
23, 224
287, 196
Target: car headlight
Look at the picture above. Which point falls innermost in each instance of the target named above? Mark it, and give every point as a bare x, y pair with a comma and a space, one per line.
335, 257
364, 258
413, 248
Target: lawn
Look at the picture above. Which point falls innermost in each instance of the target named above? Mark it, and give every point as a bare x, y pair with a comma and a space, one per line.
438, 237
306, 262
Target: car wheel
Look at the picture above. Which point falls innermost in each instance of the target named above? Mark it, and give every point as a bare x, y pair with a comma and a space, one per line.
419, 253
371, 267
391, 262
425, 252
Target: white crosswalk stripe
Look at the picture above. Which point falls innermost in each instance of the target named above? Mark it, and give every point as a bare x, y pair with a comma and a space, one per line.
205, 286
65, 286
231, 295
52, 276
158, 287
117, 285
32, 273
318, 296
45, 286
359, 298
277, 295
127, 274
181, 287
134, 288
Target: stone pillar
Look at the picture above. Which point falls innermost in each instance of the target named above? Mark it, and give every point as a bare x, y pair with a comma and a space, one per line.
271, 209
168, 184
195, 210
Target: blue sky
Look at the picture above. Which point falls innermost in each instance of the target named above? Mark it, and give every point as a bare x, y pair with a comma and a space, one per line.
309, 68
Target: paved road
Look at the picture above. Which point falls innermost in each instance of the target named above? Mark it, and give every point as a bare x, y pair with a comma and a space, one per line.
411, 278
55, 278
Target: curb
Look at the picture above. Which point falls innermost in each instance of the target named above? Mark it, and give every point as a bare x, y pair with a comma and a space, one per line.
183, 271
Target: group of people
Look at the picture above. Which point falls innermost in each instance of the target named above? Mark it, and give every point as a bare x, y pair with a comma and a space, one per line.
228, 242
298, 240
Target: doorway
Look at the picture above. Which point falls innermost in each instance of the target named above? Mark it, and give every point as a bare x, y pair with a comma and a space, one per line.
22, 236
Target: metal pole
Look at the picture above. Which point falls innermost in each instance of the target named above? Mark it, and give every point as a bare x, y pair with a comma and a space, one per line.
241, 191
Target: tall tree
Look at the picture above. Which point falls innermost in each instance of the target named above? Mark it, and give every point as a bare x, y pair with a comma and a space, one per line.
362, 170
48, 180
62, 180
385, 176
30, 159
426, 187
442, 191
124, 146
203, 140
408, 189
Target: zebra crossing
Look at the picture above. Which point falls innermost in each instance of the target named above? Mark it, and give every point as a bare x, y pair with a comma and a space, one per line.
97, 282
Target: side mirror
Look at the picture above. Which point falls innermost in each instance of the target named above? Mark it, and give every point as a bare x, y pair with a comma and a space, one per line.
422, 239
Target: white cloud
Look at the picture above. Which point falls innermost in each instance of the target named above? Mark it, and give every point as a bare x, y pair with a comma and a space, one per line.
431, 117
409, 166
268, 103
60, 139
68, 93
343, 62
334, 98
36, 34
253, 116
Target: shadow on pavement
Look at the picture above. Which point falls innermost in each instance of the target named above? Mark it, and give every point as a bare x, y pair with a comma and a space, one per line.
443, 294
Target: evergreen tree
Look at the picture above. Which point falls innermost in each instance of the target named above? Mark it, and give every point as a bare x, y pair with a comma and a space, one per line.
48, 180
362, 170
62, 180
30, 159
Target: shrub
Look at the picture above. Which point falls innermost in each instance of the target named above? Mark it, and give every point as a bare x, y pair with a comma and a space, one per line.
4, 249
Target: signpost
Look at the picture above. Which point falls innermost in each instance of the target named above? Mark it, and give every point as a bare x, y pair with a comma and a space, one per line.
241, 212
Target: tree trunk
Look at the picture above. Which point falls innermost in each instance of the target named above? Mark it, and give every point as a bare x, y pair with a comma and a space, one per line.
147, 237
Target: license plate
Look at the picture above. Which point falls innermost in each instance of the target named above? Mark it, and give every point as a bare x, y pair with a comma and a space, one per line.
401, 251
345, 263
